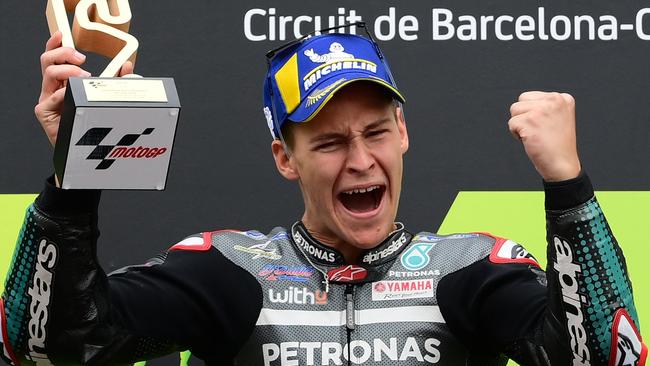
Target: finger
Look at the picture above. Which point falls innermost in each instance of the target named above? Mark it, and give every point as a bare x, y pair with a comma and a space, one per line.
522, 107
568, 98
126, 69
60, 56
55, 75
54, 41
516, 126
51, 103
533, 95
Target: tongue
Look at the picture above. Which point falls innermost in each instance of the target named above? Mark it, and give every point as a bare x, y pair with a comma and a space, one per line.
359, 202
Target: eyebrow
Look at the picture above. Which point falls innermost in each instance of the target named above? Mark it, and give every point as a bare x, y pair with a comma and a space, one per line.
336, 135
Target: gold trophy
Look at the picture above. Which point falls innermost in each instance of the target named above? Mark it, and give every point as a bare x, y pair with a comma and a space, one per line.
115, 133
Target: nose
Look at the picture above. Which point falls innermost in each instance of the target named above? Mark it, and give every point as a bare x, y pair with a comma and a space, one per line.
360, 158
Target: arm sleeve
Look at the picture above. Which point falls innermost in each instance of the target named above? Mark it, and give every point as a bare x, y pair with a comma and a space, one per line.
60, 307
589, 291
570, 315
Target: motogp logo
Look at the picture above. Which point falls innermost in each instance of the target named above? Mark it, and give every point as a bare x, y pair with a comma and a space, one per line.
417, 256
107, 154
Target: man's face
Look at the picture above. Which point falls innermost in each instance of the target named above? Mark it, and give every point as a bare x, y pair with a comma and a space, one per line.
348, 161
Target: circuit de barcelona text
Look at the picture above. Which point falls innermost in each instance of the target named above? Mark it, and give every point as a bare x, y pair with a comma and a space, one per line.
446, 24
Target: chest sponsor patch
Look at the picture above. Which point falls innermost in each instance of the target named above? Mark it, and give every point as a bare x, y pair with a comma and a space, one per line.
296, 295
350, 273
278, 272
409, 274
402, 290
260, 251
392, 351
417, 256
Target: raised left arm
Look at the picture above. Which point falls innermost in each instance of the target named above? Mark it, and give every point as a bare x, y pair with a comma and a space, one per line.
591, 317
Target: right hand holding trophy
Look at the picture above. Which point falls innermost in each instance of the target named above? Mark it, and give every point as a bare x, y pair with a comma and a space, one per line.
109, 132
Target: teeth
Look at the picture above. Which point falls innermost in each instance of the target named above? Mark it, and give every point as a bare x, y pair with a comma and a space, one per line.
361, 190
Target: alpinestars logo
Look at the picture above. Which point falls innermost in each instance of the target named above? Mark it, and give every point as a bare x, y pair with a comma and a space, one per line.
394, 246
109, 153
350, 273
40, 292
568, 273
625, 348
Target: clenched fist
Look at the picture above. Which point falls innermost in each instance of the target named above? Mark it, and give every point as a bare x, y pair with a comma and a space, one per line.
546, 125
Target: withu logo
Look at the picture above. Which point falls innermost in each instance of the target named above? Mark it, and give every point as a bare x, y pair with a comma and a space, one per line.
294, 295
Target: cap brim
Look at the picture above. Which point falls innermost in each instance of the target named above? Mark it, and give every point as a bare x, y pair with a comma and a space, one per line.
325, 90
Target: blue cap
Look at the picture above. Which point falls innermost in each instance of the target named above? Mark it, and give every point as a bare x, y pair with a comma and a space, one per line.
302, 78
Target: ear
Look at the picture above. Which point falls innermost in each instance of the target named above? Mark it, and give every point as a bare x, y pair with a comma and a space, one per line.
401, 128
283, 162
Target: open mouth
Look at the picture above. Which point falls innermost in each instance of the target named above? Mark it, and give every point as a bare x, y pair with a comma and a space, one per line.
362, 200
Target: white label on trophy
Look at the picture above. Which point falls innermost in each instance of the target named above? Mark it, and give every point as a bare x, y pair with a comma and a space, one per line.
124, 90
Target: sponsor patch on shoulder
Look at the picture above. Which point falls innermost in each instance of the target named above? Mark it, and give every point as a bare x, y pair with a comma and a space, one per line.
6, 354
196, 243
507, 251
627, 346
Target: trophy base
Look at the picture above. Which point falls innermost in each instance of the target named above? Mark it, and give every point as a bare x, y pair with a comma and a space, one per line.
116, 133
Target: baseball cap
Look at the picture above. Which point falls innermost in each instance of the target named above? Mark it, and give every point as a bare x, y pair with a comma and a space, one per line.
304, 76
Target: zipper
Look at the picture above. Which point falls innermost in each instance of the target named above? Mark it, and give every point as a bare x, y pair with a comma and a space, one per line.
349, 315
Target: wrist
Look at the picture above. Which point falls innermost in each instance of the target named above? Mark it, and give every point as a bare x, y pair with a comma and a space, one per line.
562, 172
563, 195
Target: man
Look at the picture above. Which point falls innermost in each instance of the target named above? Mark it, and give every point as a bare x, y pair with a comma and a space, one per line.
346, 284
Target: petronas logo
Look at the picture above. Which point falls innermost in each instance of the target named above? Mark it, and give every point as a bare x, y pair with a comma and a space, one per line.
417, 256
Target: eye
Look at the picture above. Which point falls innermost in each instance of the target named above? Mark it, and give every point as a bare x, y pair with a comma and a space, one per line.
328, 146
376, 133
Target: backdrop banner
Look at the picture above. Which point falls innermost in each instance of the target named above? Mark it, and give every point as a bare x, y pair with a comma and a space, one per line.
460, 65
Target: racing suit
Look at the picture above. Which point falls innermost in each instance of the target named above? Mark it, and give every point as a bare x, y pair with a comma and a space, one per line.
245, 298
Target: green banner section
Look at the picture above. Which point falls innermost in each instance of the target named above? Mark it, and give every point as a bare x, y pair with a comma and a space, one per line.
520, 216
516, 215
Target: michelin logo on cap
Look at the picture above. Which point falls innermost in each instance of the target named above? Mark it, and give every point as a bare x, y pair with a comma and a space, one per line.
336, 54
336, 60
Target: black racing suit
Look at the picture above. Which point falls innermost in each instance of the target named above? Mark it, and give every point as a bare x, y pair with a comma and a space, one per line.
245, 298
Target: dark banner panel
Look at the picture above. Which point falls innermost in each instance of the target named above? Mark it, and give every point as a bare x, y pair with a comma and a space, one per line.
460, 65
